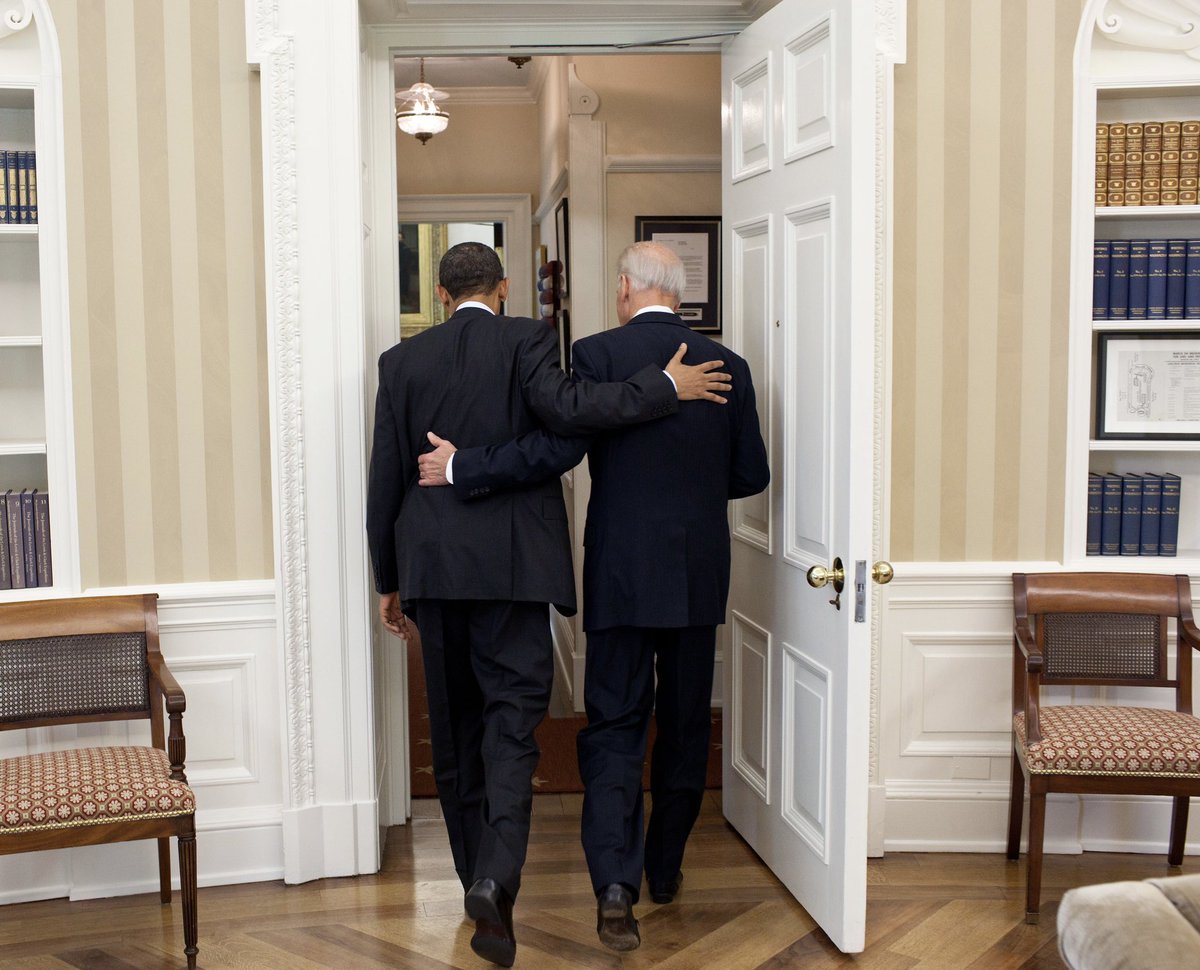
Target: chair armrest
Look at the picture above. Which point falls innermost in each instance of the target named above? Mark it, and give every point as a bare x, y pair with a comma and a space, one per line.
1023, 637
1034, 662
176, 702
1189, 633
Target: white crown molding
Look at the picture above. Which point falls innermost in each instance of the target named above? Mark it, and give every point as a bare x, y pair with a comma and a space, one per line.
15, 15
638, 164
512, 94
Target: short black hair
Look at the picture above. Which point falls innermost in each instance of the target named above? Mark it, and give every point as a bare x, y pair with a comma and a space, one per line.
470, 269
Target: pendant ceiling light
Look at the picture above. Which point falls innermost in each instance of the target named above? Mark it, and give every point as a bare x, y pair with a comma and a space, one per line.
419, 114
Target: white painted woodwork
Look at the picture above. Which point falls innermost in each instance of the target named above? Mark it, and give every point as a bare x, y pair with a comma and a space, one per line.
36, 411
799, 188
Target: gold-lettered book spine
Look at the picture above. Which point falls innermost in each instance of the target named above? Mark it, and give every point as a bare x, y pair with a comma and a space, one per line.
1116, 164
1152, 163
1133, 164
1101, 163
1189, 162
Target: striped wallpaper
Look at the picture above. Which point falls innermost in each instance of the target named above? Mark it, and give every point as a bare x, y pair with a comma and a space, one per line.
982, 252
165, 250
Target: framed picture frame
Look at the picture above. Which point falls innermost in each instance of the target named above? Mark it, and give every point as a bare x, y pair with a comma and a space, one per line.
562, 242
421, 246
697, 241
1148, 385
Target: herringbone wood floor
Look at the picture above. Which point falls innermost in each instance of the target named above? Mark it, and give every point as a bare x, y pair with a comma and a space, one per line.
942, 912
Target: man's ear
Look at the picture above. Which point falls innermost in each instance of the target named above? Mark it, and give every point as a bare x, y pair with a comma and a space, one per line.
502, 289
444, 296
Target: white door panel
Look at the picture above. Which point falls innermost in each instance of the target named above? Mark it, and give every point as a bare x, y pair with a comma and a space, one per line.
798, 205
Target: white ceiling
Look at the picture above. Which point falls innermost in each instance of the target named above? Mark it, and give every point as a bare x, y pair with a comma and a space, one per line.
449, 73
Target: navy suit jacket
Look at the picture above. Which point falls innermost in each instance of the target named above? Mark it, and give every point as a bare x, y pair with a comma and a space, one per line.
478, 378
657, 536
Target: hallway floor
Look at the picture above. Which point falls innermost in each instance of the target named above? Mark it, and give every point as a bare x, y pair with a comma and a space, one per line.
944, 911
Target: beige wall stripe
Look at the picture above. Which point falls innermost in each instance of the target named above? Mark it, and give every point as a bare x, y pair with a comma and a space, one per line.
983, 299
267, 527
930, 219
956, 282
214, 304
157, 257
185, 292
105, 429
1007, 437
138, 493
245, 371
1039, 283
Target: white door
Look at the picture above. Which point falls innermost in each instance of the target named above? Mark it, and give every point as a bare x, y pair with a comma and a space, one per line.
798, 170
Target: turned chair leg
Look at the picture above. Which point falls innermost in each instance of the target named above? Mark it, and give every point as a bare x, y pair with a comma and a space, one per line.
164, 870
187, 887
1037, 831
1179, 820
1016, 807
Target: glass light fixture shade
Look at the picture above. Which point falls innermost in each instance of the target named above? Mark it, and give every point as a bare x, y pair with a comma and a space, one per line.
419, 114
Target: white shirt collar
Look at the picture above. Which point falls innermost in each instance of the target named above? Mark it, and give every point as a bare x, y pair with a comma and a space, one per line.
475, 303
653, 309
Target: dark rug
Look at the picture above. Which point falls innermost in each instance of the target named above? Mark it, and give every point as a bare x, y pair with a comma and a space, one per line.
558, 770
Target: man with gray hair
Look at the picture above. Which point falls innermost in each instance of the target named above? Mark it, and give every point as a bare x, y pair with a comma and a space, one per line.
655, 581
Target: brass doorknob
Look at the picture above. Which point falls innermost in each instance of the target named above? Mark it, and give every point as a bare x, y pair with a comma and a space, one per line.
819, 576
882, 572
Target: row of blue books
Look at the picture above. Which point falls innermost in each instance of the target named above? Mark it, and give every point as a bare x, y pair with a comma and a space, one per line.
1146, 279
1133, 515
18, 188
25, 539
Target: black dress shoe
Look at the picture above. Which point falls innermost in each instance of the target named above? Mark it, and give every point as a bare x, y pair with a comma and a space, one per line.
614, 919
491, 908
665, 893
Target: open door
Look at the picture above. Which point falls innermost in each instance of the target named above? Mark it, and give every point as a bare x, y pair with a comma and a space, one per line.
798, 173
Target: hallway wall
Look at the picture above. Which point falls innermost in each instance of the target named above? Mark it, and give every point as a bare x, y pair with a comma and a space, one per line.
981, 275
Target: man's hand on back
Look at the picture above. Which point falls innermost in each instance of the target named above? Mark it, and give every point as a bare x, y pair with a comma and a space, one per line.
696, 382
432, 464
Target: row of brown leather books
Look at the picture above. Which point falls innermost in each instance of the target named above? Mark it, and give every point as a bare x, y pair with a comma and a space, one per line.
1147, 163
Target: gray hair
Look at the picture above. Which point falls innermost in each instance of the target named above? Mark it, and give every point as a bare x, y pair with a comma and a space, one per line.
652, 266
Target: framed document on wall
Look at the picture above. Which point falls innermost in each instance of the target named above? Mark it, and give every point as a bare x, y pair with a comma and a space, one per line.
1148, 385
697, 241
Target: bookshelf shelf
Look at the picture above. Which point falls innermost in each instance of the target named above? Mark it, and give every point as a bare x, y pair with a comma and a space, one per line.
27, 231
1132, 444
1148, 212
22, 447
19, 341
1172, 326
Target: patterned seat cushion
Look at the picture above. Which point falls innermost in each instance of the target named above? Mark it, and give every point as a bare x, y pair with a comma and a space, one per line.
1109, 740
88, 786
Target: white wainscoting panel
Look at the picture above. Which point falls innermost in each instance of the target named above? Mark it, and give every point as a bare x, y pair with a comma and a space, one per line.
219, 640
945, 713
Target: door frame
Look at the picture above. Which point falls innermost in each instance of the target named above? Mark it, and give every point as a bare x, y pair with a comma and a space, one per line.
314, 55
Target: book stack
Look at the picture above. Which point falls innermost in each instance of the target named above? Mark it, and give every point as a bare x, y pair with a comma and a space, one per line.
25, 539
18, 188
1133, 515
1147, 163
1146, 279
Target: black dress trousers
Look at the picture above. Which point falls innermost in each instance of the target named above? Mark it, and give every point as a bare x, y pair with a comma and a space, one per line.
488, 672
619, 694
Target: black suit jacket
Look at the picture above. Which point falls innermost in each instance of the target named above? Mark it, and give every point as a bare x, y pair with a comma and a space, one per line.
657, 535
473, 379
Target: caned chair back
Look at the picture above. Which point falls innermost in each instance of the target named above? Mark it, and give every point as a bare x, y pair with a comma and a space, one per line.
1104, 628
75, 660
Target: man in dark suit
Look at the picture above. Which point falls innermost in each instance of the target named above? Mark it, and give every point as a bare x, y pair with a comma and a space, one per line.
655, 582
476, 577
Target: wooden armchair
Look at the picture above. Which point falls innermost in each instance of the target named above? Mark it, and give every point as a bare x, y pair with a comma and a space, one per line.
71, 661
1100, 629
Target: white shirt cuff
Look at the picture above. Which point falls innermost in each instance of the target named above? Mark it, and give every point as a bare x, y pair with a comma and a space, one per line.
450, 466
672, 380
